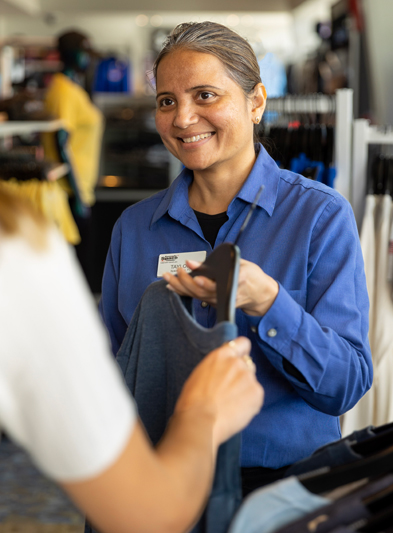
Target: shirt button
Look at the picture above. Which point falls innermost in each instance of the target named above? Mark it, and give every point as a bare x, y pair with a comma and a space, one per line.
254, 329
272, 332
204, 304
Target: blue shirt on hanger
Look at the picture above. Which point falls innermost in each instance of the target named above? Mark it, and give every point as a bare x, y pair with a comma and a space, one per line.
311, 348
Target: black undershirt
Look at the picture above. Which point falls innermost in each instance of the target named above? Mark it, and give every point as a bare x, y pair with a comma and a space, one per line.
211, 224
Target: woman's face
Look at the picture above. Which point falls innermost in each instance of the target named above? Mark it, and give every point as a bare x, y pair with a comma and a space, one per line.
203, 116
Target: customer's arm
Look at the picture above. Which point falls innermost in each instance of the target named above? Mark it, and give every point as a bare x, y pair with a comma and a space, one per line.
63, 398
164, 490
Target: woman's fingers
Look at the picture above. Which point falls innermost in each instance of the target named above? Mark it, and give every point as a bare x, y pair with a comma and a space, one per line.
225, 384
193, 264
198, 287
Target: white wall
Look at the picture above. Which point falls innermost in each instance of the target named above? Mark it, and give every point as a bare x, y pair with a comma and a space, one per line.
305, 18
379, 31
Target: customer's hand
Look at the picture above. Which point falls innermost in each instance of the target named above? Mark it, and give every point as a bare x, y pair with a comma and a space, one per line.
255, 294
224, 386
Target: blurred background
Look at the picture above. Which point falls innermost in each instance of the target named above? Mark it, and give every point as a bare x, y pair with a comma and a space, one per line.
305, 47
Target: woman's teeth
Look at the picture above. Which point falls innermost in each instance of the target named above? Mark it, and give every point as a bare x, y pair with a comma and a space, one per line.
197, 138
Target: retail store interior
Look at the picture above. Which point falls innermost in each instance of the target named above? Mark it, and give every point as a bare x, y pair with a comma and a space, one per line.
328, 72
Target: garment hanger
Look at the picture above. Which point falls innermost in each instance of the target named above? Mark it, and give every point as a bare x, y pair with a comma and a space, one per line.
222, 266
327, 479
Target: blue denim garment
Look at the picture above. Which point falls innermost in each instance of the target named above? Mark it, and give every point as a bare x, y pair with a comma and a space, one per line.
162, 346
303, 234
267, 509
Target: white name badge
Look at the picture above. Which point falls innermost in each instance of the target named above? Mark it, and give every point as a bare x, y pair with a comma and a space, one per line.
171, 262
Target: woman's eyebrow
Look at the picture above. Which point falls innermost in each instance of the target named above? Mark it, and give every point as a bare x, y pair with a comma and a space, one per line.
197, 87
203, 87
163, 93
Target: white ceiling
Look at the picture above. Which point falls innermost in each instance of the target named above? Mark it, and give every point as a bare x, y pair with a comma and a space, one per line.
35, 6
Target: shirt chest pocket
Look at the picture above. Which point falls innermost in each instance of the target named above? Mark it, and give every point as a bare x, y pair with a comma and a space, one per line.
299, 295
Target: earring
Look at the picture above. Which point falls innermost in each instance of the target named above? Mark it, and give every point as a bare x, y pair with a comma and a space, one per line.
257, 119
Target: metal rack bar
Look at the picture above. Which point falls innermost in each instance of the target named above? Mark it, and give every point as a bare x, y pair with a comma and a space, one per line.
9, 128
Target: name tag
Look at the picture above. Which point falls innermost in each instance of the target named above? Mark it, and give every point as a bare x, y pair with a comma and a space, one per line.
171, 262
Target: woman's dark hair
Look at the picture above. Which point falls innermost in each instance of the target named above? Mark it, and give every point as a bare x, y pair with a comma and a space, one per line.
230, 48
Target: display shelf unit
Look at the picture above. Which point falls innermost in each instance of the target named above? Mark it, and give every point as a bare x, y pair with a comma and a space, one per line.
10, 128
123, 195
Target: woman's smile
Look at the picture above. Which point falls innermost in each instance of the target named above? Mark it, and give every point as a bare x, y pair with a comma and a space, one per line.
195, 138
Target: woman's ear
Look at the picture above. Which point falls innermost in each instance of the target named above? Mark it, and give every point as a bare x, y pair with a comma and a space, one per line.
258, 102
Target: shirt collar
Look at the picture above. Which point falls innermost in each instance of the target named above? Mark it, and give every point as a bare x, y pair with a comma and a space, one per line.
264, 172
175, 200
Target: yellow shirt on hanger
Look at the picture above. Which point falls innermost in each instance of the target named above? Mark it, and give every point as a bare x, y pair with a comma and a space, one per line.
67, 101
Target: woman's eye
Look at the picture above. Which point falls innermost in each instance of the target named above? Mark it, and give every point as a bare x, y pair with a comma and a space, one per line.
205, 95
165, 102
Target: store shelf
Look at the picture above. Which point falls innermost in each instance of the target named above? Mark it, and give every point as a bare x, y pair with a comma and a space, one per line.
123, 195
10, 128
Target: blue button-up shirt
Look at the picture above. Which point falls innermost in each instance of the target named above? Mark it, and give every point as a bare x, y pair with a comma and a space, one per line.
311, 348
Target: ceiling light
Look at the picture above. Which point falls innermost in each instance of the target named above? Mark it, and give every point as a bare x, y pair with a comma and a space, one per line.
156, 20
247, 20
141, 20
232, 20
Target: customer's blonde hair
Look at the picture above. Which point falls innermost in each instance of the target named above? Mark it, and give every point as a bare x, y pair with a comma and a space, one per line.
18, 217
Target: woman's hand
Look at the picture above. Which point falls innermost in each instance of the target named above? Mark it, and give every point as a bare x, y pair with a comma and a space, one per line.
224, 387
255, 294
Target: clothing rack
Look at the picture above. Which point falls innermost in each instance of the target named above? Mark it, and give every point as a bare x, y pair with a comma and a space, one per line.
364, 136
341, 106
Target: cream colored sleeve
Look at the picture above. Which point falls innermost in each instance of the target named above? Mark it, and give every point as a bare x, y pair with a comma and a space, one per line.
62, 396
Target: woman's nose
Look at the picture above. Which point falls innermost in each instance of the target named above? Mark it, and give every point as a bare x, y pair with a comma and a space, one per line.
185, 116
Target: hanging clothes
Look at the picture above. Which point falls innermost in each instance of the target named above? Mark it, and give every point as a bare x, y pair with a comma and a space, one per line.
84, 122
345, 511
269, 508
383, 320
113, 76
376, 407
162, 345
362, 414
50, 200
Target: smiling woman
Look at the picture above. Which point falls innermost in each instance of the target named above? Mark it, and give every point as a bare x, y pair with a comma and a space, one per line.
302, 297
205, 120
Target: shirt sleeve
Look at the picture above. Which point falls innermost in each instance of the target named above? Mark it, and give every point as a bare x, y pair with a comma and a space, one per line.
321, 344
109, 304
62, 396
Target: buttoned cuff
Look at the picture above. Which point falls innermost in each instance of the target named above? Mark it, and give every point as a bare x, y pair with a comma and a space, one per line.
281, 323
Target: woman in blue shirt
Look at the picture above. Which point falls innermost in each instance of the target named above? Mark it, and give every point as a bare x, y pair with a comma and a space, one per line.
302, 298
